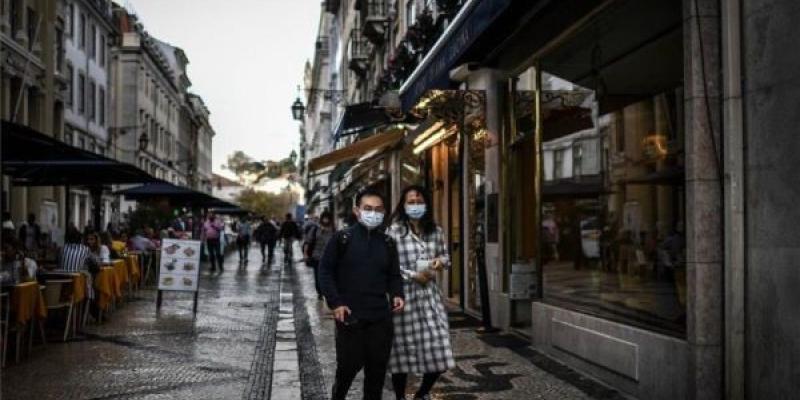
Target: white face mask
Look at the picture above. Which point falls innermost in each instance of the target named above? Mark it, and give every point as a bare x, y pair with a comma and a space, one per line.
416, 211
371, 219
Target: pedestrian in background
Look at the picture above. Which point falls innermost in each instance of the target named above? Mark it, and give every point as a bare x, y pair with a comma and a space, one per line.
316, 239
289, 233
30, 234
266, 234
212, 230
359, 273
421, 331
243, 230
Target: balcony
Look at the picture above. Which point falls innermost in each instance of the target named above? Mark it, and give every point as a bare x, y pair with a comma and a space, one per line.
358, 53
332, 6
374, 19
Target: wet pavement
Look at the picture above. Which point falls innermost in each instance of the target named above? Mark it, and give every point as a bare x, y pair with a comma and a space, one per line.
261, 333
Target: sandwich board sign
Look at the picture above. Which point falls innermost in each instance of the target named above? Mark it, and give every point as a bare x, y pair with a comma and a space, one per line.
179, 269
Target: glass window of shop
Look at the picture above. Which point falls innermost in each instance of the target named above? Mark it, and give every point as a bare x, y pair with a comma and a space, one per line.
612, 199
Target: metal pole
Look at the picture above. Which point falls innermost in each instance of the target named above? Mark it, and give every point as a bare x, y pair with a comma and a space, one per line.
97, 210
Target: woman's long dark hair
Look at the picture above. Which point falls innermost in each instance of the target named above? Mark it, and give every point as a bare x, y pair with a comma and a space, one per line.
427, 223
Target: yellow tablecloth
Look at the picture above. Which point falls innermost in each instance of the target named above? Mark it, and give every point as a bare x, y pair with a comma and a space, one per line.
121, 273
105, 286
78, 287
26, 299
133, 267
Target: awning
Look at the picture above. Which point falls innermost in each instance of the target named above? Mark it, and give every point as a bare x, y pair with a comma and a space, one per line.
362, 149
358, 118
234, 210
176, 195
671, 176
434, 70
32, 158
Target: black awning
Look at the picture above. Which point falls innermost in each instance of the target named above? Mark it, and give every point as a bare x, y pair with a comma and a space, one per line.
176, 195
670, 176
231, 210
359, 117
587, 187
32, 158
434, 70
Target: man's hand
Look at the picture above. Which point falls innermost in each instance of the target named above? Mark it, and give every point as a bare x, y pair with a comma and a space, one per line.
397, 304
341, 312
437, 264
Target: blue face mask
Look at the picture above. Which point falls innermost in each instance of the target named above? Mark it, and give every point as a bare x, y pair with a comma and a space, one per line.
371, 219
416, 211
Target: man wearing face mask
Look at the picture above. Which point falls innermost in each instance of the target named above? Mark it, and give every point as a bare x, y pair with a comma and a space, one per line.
359, 273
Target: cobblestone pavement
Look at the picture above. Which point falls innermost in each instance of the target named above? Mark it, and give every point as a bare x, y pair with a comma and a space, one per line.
261, 333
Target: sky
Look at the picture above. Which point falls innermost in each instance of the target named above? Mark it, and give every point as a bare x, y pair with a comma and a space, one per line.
246, 58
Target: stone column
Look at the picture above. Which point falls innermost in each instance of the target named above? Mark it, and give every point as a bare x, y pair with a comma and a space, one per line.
703, 198
489, 81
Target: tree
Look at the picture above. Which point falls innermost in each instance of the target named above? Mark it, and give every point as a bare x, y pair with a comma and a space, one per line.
265, 203
251, 172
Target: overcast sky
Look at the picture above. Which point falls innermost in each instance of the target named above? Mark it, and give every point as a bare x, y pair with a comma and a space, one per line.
246, 58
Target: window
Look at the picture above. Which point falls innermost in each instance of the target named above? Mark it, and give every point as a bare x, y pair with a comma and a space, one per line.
102, 106
558, 164
81, 143
81, 93
101, 59
13, 13
613, 242
93, 42
71, 21
70, 85
59, 49
33, 21
82, 31
411, 13
92, 100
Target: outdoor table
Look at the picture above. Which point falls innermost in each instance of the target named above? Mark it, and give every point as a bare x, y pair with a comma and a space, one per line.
133, 267
27, 299
105, 284
121, 275
78, 287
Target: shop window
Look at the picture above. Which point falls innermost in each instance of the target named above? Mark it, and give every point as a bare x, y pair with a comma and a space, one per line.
612, 240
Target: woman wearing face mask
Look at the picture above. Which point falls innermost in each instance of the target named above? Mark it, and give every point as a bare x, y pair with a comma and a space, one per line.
422, 333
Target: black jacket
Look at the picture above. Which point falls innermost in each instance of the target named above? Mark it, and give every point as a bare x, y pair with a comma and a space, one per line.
289, 230
360, 271
266, 232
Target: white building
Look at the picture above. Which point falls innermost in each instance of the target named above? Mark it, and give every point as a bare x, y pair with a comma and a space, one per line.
89, 37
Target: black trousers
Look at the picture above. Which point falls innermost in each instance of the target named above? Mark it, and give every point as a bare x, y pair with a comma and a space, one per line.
270, 247
243, 243
214, 253
364, 345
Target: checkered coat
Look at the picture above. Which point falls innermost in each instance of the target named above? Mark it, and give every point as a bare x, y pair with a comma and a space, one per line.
421, 331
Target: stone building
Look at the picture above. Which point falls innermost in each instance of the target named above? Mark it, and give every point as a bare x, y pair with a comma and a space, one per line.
90, 35
150, 83
199, 148
33, 85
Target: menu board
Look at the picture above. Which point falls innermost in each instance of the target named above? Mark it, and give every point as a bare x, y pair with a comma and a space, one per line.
180, 265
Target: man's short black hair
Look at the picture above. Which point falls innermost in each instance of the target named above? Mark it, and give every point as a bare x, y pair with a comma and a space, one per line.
369, 193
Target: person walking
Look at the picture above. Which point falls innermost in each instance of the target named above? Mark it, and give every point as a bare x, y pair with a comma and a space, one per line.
359, 273
266, 235
421, 332
244, 230
316, 239
289, 232
212, 230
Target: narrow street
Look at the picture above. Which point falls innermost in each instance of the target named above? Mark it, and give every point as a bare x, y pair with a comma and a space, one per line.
261, 334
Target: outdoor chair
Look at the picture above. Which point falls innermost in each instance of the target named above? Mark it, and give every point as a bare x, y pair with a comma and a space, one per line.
58, 295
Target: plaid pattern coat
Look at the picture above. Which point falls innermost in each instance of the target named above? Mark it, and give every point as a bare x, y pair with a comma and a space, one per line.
421, 331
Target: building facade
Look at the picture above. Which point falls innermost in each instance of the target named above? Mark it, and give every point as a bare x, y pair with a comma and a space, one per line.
607, 176
149, 84
33, 84
90, 35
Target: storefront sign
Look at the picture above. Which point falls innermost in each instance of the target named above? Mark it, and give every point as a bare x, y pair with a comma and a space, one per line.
522, 282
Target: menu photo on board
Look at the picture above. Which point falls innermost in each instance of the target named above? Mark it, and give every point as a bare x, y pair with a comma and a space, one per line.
180, 265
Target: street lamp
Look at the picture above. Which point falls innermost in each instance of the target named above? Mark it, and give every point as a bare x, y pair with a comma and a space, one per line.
143, 141
298, 109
